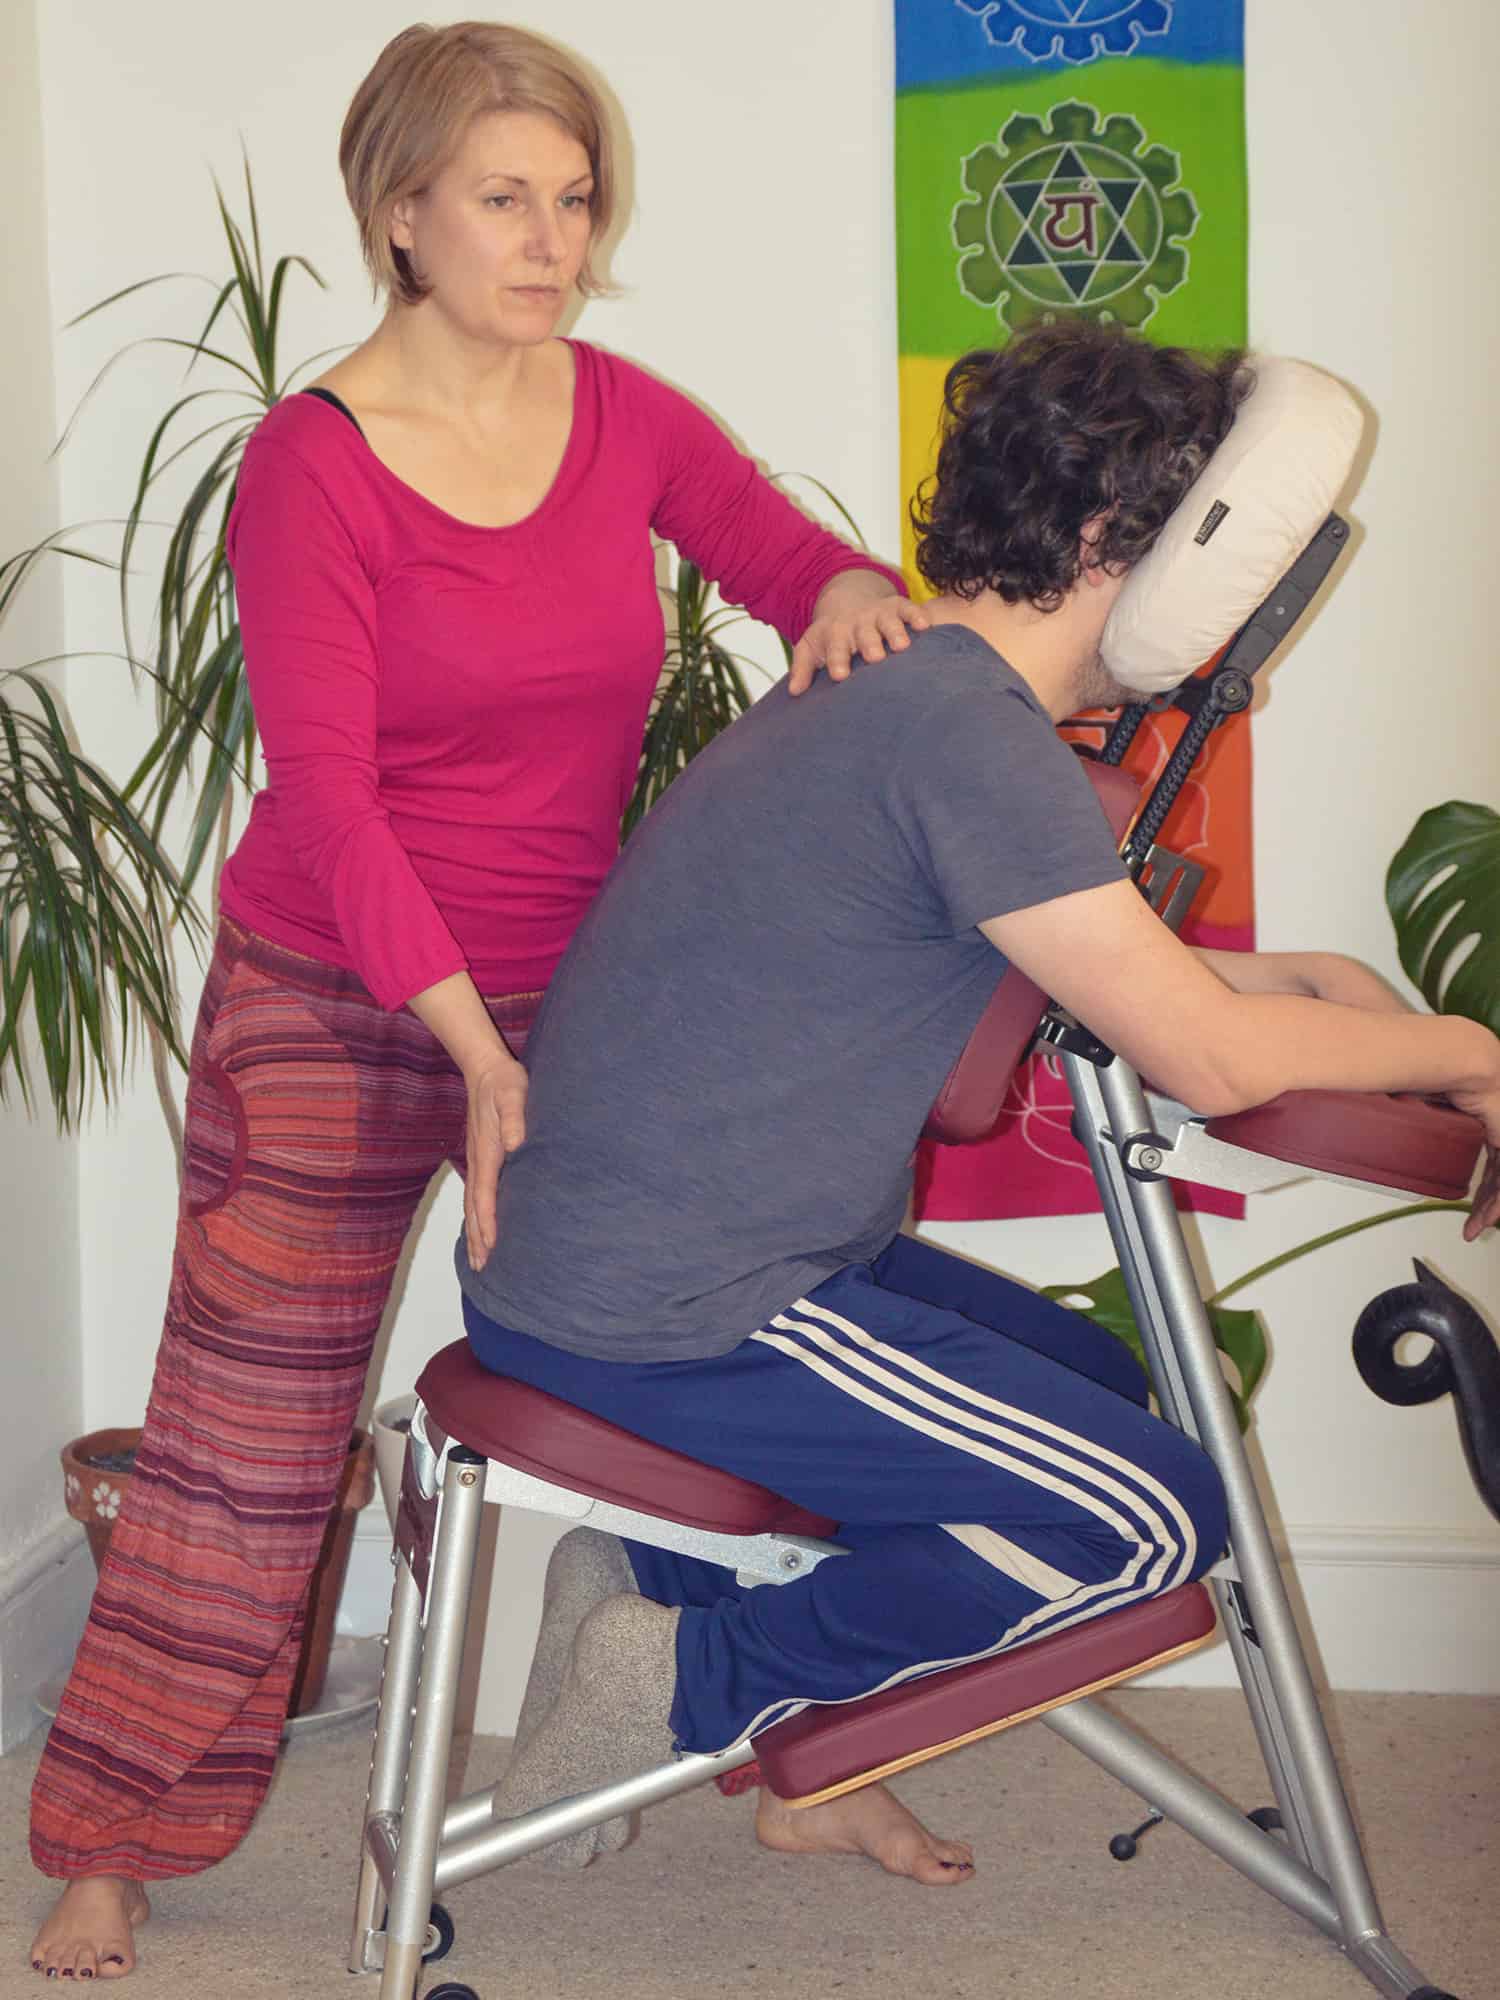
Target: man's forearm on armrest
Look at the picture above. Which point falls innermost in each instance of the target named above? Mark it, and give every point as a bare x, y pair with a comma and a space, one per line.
1317, 975
1110, 961
1271, 1042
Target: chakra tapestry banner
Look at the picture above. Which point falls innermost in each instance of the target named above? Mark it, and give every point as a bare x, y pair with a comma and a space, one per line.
1053, 158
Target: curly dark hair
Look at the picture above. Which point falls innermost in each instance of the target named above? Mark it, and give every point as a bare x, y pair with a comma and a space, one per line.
1068, 423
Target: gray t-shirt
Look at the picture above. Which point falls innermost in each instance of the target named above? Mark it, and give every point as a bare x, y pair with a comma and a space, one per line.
736, 1056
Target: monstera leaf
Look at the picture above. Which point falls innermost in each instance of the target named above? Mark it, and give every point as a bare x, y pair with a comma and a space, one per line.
1442, 890
1238, 1334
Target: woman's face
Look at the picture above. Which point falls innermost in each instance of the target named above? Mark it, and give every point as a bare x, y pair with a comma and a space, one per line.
501, 232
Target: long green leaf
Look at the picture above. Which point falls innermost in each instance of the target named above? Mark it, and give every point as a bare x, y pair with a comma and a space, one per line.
15, 569
140, 285
831, 497
237, 422
260, 263
248, 297
150, 470
343, 347
198, 351
278, 280
225, 297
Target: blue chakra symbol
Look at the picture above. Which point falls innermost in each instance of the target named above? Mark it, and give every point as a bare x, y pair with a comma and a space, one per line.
1076, 30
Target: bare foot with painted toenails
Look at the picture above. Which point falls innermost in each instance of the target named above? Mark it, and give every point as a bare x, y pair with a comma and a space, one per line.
90, 1933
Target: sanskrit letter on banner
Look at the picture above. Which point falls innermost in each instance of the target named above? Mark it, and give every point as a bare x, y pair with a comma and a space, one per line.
1061, 157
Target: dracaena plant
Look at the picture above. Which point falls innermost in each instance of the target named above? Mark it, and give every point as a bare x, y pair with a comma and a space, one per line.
701, 690
86, 896
205, 738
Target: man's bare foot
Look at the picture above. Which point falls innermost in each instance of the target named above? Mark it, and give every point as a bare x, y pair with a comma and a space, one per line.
870, 1821
91, 1931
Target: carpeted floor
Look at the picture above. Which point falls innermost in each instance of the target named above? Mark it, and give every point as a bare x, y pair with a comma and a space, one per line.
694, 1906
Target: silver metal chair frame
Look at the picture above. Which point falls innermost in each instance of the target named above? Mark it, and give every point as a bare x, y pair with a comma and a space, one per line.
414, 1846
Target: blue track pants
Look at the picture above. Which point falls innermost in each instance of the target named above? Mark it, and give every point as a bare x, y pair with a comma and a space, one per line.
988, 1454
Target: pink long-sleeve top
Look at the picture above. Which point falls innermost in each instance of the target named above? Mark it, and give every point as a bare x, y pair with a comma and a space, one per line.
451, 715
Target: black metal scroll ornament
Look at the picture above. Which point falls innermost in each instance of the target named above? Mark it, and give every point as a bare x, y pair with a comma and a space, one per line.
1464, 1359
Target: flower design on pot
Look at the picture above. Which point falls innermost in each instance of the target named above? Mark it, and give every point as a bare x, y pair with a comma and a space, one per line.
106, 1500
72, 1487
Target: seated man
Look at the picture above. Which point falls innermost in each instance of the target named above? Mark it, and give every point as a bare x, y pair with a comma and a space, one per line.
699, 1238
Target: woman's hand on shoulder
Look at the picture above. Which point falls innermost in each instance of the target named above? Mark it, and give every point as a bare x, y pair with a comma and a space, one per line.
857, 613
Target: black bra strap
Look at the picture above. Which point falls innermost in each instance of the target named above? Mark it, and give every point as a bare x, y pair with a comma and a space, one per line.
327, 396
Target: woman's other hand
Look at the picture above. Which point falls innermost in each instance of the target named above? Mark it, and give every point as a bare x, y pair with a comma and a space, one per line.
496, 1084
497, 1128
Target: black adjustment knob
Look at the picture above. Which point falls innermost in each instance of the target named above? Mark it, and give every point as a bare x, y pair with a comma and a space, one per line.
1124, 1845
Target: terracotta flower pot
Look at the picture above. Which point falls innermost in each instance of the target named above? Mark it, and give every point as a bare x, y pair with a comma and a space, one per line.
96, 1473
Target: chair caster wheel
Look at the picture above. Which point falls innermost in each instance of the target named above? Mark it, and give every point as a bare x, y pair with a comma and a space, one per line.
1267, 1818
451, 1990
440, 1935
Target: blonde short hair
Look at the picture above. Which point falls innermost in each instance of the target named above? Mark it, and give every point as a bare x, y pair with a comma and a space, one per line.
411, 112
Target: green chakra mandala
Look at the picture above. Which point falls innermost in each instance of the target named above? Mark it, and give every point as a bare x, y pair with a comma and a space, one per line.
1072, 217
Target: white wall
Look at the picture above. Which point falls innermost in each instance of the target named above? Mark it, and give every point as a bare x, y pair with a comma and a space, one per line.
40, 1341
759, 272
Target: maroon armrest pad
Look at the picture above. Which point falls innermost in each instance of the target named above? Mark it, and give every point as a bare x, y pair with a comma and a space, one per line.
524, 1427
1415, 1144
824, 1746
968, 1105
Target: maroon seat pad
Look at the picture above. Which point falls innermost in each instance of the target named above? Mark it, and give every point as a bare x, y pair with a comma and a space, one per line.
1411, 1143
969, 1104
824, 1746
524, 1427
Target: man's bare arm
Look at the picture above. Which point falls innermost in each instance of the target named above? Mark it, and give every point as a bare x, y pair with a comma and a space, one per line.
1318, 975
1108, 959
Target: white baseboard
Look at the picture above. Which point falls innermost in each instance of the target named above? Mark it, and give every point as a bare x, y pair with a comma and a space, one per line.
1381, 1609
44, 1600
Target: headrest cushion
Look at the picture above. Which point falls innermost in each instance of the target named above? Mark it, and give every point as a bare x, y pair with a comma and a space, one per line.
1246, 518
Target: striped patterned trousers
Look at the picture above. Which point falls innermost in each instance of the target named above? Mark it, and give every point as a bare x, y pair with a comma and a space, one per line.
314, 1122
989, 1455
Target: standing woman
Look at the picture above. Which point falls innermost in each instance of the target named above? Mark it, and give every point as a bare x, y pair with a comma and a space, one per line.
452, 633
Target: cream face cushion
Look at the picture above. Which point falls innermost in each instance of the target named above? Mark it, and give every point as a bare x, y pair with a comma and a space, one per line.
1247, 517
